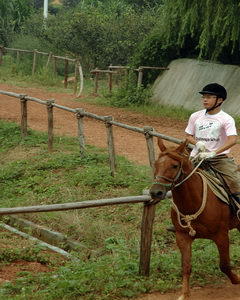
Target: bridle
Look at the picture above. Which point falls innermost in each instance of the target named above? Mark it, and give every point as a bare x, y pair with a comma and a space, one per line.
173, 182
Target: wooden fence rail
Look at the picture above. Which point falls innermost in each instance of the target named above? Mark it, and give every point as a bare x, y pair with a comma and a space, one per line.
148, 132
146, 225
75, 205
54, 58
78, 69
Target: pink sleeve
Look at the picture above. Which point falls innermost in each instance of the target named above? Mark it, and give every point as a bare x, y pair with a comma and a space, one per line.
190, 129
230, 127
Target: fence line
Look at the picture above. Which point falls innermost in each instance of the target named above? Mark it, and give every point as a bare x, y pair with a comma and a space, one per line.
78, 69
54, 58
148, 207
148, 132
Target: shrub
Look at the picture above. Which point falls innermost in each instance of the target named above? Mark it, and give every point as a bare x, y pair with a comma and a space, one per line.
131, 95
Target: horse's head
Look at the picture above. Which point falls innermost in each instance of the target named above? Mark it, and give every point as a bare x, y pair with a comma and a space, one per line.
171, 164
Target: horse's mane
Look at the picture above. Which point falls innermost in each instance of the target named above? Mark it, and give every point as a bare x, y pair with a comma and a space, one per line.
176, 155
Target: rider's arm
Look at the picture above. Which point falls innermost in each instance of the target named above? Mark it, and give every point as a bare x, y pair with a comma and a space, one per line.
190, 139
231, 141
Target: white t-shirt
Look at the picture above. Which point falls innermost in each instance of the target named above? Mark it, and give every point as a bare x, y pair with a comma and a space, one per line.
212, 130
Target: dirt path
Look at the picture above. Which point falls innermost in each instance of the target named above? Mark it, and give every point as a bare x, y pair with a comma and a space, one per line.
129, 144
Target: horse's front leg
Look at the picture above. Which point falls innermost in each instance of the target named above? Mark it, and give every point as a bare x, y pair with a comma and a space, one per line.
184, 242
222, 242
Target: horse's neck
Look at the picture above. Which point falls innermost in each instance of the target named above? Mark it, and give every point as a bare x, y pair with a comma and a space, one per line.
188, 195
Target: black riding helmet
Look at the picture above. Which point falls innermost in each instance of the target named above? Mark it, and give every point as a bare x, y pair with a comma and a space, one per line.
215, 89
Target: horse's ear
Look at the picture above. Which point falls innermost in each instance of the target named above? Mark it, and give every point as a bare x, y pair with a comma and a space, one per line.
182, 148
161, 145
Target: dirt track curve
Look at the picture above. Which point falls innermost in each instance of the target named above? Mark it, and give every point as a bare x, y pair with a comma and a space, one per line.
130, 144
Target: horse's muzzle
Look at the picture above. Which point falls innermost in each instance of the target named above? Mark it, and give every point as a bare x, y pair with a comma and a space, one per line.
156, 193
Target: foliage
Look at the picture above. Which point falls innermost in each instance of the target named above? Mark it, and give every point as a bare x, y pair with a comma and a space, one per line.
152, 52
12, 14
70, 3
214, 25
130, 95
210, 31
31, 253
99, 35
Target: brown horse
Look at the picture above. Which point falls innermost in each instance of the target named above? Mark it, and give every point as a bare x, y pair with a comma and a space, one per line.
192, 216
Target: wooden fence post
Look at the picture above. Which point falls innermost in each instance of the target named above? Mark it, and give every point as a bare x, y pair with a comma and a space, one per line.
110, 82
50, 123
66, 74
148, 214
18, 57
55, 64
23, 116
34, 61
49, 58
110, 142
140, 77
150, 146
96, 82
81, 137
146, 238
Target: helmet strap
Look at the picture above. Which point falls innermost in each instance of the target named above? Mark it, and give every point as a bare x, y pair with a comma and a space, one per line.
214, 106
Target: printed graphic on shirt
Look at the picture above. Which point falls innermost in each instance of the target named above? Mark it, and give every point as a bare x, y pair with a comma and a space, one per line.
208, 130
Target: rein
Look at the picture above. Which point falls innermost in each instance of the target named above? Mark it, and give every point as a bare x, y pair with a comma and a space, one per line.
181, 217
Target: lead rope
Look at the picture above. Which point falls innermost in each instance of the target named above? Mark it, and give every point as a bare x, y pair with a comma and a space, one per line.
189, 218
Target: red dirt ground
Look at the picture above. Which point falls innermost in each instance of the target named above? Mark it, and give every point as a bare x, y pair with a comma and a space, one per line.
129, 144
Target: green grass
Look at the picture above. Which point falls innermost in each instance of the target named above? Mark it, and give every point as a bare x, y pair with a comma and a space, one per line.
108, 264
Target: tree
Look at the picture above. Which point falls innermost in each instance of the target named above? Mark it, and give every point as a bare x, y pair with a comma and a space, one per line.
12, 15
213, 24
100, 35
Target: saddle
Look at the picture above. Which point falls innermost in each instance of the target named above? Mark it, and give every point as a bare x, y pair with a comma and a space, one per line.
219, 187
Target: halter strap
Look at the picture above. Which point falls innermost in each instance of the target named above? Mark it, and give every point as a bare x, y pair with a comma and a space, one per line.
172, 185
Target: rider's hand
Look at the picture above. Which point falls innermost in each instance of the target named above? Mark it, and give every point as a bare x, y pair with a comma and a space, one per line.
200, 147
206, 155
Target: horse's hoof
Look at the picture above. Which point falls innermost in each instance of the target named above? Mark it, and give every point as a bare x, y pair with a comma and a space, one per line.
235, 279
182, 297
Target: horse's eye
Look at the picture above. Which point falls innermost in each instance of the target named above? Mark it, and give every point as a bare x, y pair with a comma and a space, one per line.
175, 166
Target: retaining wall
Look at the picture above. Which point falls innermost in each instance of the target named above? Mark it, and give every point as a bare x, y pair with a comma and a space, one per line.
179, 85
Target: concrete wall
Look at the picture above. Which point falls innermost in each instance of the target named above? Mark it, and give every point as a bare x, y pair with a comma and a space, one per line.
179, 86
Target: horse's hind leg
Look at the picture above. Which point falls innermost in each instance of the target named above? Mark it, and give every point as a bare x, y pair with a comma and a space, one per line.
222, 242
184, 242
